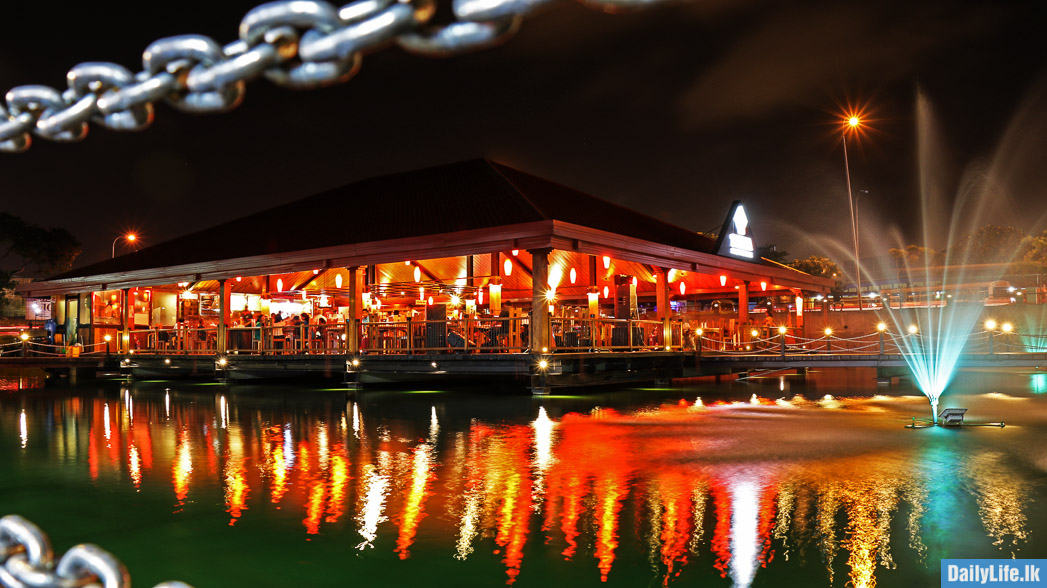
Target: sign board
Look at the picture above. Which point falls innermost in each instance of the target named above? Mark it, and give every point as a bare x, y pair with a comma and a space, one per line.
736, 236
38, 309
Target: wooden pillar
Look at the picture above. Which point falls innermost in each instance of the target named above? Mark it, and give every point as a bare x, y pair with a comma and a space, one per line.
352, 322
662, 300
223, 316
541, 335
743, 304
125, 328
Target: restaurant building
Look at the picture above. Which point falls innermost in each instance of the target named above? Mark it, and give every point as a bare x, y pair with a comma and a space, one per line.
469, 257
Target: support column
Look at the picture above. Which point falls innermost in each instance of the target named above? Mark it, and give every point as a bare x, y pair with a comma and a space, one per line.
541, 336
662, 301
352, 322
125, 328
223, 317
743, 304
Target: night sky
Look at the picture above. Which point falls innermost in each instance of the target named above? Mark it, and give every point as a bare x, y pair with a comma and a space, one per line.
673, 111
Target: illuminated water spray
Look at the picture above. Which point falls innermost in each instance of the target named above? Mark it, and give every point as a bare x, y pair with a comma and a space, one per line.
933, 310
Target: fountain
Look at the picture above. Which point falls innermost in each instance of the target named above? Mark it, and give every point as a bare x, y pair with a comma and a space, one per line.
1033, 330
934, 310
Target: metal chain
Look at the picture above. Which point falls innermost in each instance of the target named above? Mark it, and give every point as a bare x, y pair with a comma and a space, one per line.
27, 561
294, 43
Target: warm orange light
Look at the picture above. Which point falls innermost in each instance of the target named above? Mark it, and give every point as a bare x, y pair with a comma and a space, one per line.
516, 252
635, 281
573, 275
606, 262
606, 291
417, 274
763, 286
239, 278
723, 280
131, 237
683, 288
854, 121
507, 268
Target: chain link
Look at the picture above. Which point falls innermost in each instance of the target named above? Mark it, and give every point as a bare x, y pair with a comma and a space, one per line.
27, 561
293, 43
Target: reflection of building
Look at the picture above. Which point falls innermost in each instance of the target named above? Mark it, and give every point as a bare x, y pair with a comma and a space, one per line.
454, 247
597, 490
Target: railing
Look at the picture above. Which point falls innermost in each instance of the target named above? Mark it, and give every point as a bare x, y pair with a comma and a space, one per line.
877, 343
512, 335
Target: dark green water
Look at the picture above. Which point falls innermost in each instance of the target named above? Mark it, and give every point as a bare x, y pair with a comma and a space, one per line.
301, 486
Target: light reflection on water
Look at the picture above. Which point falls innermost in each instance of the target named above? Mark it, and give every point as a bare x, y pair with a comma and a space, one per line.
824, 491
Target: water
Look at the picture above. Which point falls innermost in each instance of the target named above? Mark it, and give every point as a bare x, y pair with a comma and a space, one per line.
777, 482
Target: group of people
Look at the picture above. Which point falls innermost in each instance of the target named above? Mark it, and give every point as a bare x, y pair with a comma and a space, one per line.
276, 332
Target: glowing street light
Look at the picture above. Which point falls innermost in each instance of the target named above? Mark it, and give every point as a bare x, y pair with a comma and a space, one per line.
852, 124
130, 238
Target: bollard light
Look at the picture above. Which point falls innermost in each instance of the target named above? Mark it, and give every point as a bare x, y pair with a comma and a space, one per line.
108, 338
881, 327
828, 331
782, 330
990, 325
1007, 327
24, 336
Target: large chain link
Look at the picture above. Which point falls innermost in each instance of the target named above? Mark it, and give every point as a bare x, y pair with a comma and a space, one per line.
27, 561
294, 43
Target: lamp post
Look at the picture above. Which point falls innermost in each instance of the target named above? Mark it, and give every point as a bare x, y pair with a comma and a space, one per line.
130, 238
852, 125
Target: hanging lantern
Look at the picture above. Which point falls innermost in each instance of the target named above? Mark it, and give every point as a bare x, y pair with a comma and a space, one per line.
606, 262
573, 275
507, 268
683, 288
316, 271
723, 280
606, 291
430, 301
496, 298
763, 286
635, 281
407, 262
516, 252
279, 285
338, 280
480, 296
417, 274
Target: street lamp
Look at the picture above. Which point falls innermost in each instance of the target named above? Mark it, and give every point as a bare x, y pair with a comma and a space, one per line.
130, 238
852, 124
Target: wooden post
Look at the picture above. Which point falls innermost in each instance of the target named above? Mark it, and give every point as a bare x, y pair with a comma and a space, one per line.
662, 301
125, 330
743, 305
223, 317
540, 338
352, 322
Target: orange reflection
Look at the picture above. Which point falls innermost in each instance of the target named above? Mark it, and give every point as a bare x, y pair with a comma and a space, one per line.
182, 467
690, 500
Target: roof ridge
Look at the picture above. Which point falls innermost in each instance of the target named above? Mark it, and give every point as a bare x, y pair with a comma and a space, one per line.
494, 165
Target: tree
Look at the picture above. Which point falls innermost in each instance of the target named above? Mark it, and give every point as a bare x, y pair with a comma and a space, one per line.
915, 255
25, 245
989, 244
771, 252
822, 267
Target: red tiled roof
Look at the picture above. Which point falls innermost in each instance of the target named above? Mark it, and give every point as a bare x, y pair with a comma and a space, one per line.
473, 194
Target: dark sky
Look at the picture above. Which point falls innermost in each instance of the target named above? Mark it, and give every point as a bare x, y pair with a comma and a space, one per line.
674, 111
